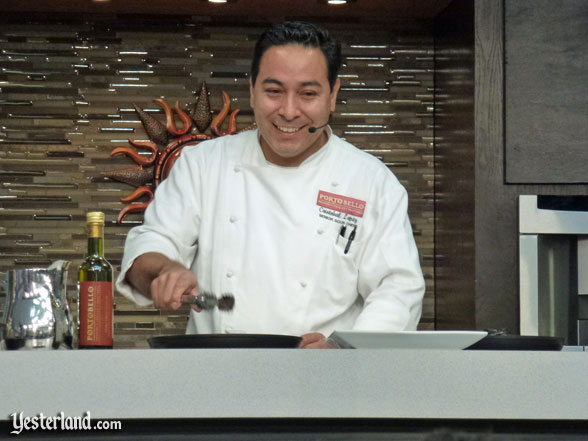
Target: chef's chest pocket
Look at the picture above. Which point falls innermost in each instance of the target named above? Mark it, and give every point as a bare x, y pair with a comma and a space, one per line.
338, 270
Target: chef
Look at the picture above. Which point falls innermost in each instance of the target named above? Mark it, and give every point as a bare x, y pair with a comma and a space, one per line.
309, 233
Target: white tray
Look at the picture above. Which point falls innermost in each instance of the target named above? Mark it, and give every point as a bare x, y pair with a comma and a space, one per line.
407, 339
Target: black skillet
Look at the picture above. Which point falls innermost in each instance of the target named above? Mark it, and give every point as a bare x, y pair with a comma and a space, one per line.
518, 343
266, 341
212, 341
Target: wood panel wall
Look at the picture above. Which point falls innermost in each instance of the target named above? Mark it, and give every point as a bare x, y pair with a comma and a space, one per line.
476, 236
496, 212
547, 101
454, 167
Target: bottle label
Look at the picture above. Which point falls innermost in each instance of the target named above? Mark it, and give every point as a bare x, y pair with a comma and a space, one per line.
96, 314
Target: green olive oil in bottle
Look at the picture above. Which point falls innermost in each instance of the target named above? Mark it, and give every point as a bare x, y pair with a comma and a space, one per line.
95, 290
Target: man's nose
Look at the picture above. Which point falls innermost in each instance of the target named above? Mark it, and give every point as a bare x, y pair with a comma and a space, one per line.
289, 107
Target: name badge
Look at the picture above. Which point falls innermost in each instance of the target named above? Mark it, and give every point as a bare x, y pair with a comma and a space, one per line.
340, 203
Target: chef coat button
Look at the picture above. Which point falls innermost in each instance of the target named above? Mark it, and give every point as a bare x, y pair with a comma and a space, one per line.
229, 274
233, 219
320, 231
303, 284
334, 184
237, 169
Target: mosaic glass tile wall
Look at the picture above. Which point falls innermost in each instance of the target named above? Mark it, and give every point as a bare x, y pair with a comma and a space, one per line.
68, 86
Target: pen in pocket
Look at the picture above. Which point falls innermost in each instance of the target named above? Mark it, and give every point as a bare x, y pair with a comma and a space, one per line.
351, 237
341, 233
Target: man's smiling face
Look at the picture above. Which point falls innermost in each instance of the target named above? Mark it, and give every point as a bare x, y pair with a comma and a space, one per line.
290, 95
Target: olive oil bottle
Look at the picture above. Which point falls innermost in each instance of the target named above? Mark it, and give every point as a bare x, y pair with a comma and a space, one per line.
95, 290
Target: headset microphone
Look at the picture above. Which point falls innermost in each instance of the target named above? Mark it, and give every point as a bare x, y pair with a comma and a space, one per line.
314, 129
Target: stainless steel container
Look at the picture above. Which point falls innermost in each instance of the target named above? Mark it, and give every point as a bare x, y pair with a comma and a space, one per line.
36, 313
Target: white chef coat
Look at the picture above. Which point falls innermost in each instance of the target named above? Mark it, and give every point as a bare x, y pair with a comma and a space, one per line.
261, 232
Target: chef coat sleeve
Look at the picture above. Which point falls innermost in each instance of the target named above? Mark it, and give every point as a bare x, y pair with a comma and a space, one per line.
390, 277
171, 223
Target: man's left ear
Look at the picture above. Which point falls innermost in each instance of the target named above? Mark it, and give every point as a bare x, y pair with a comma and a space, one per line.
334, 93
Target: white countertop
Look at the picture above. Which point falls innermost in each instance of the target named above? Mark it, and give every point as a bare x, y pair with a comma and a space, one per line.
283, 383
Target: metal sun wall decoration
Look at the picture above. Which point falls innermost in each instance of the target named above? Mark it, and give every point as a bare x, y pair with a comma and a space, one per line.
166, 143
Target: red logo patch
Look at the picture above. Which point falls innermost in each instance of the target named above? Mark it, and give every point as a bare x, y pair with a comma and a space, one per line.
343, 204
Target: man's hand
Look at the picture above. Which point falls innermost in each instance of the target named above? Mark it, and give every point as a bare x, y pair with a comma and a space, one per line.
173, 281
315, 340
162, 279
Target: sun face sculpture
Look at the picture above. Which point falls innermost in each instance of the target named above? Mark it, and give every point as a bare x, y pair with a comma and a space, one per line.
166, 143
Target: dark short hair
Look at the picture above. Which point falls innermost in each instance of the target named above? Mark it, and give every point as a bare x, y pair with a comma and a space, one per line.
302, 33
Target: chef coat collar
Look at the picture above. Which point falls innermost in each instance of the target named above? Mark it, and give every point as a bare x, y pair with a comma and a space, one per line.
311, 159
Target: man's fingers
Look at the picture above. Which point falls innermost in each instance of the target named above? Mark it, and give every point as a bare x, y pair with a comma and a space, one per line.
318, 345
310, 339
168, 288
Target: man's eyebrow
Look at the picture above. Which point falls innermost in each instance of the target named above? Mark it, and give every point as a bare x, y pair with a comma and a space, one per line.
311, 84
279, 83
272, 81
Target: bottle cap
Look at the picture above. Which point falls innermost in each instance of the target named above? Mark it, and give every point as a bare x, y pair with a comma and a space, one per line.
95, 217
